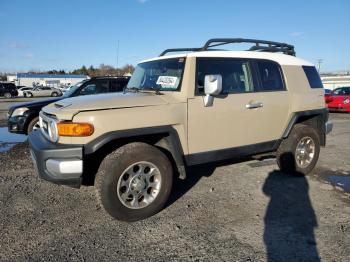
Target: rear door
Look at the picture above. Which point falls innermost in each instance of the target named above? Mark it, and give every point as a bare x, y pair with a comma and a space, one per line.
274, 98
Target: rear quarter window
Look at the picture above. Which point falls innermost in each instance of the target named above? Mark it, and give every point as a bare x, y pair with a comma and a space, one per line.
270, 76
313, 77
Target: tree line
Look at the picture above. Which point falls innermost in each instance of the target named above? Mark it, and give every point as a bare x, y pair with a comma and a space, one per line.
102, 70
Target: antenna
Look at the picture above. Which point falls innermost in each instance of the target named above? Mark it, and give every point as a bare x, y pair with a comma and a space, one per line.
117, 57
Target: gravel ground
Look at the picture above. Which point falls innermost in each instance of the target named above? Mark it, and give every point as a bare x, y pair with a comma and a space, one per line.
247, 211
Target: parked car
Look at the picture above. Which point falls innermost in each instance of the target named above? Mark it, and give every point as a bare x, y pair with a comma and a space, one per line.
339, 100
21, 90
8, 90
43, 91
24, 117
183, 110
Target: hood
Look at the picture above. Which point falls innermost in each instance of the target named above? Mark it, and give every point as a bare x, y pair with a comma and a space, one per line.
35, 104
67, 108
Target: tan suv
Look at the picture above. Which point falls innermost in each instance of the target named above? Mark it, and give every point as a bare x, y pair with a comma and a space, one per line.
181, 110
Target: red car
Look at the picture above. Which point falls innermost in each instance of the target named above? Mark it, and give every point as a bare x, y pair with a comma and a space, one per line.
339, 100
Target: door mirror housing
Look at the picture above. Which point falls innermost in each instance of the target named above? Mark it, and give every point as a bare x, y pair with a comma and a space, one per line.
212, 87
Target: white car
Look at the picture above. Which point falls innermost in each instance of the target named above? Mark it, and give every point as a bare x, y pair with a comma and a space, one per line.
22, 90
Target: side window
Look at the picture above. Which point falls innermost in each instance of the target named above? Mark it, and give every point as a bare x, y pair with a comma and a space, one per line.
95, 87
313, 77
117, 85
236, 74
270, 76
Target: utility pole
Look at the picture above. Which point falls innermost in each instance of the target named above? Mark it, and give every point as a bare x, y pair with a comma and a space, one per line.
319, 62
118, 58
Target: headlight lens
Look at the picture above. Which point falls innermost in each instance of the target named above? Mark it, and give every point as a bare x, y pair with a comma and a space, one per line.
346, 101
52, 130
19, 111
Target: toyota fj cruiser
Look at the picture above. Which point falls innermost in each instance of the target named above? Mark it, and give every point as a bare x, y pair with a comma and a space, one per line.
180, 110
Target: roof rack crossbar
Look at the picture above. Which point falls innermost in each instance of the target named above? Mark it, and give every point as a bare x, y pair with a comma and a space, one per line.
260, 45
179, 50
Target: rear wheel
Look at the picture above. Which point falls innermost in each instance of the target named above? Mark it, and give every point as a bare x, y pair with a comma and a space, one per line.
29, 94
134, 182
33, 125
298, 154
54, 94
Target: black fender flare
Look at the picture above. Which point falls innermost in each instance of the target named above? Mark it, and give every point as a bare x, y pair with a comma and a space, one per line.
170, 141
322, 115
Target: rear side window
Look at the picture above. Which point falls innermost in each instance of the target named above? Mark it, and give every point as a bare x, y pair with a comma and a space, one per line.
117, 85
313, 77
270, 76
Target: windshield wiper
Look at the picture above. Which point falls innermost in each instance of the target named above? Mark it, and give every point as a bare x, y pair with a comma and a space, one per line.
131, 89
136, 90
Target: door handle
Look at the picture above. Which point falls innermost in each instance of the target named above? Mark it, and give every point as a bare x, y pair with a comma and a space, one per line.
254, 105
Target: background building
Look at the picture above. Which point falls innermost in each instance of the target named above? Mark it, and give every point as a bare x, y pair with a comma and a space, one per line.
332, 82
27, 79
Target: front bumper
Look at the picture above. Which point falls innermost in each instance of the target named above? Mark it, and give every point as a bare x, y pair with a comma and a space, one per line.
57, 163
17, 124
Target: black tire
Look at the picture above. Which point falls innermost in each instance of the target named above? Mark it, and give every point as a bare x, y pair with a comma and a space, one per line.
54, 94
111, 170
286, 153
31, 124
7, 95
29, 94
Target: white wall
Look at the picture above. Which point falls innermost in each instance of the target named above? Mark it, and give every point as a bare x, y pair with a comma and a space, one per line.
333, 82
24, 81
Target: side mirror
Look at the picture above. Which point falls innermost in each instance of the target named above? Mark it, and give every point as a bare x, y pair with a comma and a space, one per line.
212, 87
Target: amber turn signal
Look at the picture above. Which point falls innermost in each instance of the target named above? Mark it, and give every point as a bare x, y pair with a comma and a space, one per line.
75, 129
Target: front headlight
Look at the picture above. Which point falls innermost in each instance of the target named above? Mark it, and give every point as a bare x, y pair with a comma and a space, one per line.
52, 130
346, 101
19, 111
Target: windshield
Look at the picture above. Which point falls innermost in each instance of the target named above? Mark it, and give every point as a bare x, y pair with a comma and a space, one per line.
344, 91
162, 75
73, 88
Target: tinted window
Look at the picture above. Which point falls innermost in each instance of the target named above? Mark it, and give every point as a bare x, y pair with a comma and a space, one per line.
95, 87
313, 77
236, 74
270, 76
117, 85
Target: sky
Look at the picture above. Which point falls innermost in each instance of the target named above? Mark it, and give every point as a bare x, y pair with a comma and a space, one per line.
66, 34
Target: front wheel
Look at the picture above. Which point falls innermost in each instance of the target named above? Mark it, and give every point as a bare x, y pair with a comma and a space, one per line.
134, 182
298, 154
7, 95
33, 125
29, 95
54, 94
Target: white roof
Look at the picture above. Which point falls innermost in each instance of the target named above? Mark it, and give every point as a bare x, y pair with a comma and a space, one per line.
277, 57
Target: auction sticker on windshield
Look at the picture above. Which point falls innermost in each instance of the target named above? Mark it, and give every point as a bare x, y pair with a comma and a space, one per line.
167, 81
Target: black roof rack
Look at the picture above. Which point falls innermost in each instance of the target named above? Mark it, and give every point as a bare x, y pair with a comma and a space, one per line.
259, 45
180, 50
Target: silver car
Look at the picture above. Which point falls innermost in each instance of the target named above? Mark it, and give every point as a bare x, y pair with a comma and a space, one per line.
43, 91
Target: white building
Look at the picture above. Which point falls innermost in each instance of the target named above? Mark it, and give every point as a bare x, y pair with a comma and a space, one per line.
27, 79
332, 82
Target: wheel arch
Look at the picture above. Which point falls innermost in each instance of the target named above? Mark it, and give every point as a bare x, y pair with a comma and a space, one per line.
315, 118
164, 138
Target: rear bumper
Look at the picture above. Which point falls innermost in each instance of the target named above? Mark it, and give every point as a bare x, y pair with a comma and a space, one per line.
328, 127
59, 164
